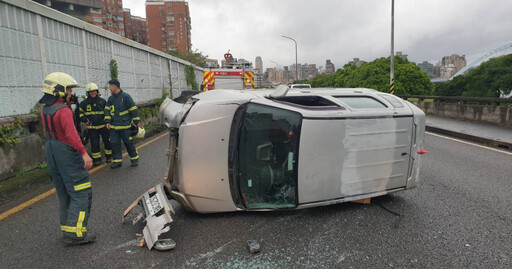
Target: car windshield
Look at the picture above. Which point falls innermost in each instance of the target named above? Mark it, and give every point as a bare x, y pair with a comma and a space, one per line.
267, 157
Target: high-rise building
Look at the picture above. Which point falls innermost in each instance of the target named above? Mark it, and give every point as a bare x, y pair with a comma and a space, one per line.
128, 27
259, 65
139, 30
106, 14
329, 67
77, 9
357, 62
168, 25
110, 16
427, 68
135, 27
401, 55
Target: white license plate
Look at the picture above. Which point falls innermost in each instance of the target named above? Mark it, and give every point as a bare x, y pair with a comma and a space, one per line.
154, 205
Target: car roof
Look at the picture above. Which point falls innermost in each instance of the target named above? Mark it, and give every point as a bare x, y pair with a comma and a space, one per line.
262, 96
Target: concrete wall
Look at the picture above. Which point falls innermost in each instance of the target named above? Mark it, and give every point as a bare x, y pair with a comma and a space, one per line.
489, 113
36, 40
25, 155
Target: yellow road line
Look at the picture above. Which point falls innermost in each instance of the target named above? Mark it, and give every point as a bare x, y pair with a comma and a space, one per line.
52, 191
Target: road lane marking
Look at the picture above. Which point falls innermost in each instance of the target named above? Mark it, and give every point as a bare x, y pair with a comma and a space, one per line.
52, 191
470, 143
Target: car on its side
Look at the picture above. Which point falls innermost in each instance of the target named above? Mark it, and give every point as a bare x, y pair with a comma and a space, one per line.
248, 150
236, 150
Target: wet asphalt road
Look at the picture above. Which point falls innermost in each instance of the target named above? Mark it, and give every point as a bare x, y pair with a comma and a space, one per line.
459, 217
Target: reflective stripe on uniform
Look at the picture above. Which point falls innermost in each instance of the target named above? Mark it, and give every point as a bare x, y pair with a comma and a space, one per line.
81, 115
108, 152
71, 229
136, 118
83, 186
96, 155
123, 112
107, 118
96, 127
107, 107
122, 127
95, 113
79, 230
79, 224
118, 160
136, 157
132, 108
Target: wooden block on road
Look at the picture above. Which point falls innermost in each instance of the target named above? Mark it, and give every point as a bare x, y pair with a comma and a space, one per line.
365, 201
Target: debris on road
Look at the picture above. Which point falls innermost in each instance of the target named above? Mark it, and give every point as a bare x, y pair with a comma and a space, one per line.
164, 244
157, 215
253, 246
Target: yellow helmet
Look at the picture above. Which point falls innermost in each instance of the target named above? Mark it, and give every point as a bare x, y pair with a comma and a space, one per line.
57, 82
91, 87
140, 133
137, 132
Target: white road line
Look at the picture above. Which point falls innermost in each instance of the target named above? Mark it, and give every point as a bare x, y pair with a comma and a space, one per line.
470, 143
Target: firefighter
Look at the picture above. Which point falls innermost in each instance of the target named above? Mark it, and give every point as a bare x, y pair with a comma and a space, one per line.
120, 112
67, 159
92, 113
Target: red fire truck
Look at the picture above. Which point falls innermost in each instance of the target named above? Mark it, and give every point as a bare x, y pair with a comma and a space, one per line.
235, 74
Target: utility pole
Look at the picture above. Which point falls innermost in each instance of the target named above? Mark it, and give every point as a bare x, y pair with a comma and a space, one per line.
392, 64
296, 66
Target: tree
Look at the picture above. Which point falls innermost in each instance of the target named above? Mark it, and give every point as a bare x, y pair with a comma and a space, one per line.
409, 79
195, 57
491, 79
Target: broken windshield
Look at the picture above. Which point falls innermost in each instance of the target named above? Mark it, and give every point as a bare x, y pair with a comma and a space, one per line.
267, 157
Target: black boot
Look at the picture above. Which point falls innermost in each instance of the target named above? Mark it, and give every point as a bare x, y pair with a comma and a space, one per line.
116, 165
88, 238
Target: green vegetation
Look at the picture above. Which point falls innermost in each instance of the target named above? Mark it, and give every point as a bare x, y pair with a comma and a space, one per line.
491, 79
113, 69
9, 133
196, 58
190, 77
409, 79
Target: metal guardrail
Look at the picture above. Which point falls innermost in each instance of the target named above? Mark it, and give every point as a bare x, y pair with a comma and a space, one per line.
460, 99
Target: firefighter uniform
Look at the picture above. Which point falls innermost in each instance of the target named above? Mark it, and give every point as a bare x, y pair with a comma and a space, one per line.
92, 112
64, 153
120, 112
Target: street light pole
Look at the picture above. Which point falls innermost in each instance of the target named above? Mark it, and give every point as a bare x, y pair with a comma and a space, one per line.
296, 63
392, 64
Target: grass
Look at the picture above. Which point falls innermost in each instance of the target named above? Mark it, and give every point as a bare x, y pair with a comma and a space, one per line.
23, 181
417, 99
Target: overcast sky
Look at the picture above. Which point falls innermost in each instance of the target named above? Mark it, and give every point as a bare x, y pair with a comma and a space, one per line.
341, 30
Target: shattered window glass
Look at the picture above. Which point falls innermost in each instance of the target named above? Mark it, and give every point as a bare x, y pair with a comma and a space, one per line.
267, 157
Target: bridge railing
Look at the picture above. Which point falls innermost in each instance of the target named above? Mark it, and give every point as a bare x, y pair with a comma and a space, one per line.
493, 110
459, 99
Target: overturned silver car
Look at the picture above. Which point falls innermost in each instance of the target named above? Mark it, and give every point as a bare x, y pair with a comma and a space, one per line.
289, 148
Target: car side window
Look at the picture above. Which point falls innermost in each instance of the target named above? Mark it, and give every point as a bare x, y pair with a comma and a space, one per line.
267, 157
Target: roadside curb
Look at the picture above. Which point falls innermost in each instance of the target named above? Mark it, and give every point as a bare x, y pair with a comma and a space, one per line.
477, 139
